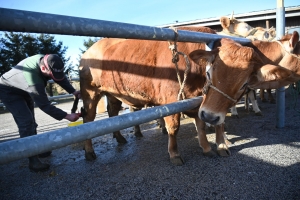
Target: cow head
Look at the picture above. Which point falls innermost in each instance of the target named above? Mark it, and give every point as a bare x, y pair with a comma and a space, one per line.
234, 27
288, 69
230, 70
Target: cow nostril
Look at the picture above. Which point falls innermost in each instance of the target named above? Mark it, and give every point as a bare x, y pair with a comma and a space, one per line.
212, 119
215, 121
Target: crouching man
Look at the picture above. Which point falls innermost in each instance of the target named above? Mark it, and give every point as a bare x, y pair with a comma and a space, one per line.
25, 84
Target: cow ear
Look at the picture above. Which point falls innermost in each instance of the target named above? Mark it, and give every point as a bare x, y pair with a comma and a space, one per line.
294, 40
199, 55
270, 77
225, 22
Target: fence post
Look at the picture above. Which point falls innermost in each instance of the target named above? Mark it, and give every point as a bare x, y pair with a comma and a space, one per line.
280, 92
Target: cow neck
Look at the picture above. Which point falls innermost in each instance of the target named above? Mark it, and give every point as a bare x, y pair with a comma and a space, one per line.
231, 33
250, 33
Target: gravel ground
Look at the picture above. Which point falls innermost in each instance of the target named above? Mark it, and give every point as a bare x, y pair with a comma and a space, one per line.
265, 163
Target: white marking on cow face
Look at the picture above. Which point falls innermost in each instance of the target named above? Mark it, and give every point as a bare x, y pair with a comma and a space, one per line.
242, 28
208, 70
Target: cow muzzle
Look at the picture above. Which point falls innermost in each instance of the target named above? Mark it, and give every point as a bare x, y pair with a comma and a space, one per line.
206, 115
210, 117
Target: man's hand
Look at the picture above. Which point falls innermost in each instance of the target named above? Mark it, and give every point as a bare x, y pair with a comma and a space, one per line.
72, 117
77, 94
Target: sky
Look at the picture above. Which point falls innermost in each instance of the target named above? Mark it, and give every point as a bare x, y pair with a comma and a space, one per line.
149, 13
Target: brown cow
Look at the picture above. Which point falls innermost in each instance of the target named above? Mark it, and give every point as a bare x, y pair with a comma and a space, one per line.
237, 28
280, 68
141, 73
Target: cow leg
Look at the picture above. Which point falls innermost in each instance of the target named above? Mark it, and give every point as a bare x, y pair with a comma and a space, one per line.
253, 100
113, 107
203, 142
162, 125
262, 95
172, 126
221, 141
270, 96
234, 112
89, 105
246, 102
137, 129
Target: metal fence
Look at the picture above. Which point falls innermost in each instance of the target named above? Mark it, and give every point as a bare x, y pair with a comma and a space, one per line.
25, 21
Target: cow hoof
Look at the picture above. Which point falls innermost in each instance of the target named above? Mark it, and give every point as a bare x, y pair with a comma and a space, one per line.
121, 140
223, 150
138, 134
210, 154
90, 156
177, 160
164, 131
259, 113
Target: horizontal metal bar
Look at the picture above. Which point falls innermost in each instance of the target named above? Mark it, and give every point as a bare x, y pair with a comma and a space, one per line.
33, 145
26, 21
63, 96
72, 79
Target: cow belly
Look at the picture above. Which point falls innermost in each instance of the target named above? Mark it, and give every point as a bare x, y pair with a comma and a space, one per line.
139, 91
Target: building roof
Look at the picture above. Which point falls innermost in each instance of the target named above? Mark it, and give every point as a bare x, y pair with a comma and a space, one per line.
246, 17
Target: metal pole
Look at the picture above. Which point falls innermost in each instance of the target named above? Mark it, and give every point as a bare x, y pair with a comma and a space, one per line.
63, 96
33, 145
267, 24
280, 93
35, 22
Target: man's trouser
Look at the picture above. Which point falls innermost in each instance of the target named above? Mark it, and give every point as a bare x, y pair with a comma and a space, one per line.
21, 106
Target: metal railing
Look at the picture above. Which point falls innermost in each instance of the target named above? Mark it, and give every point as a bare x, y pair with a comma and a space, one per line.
25, 21
33, 145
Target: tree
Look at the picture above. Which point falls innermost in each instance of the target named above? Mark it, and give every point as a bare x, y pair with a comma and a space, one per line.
15, 47
87, 44
10, 52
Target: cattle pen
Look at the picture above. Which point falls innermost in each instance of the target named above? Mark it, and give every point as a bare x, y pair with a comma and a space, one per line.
265, 164
25, 21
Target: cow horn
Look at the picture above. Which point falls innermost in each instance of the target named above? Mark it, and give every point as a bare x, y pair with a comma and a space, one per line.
231, 16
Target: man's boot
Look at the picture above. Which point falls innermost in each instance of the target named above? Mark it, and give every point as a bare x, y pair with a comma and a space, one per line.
36, 165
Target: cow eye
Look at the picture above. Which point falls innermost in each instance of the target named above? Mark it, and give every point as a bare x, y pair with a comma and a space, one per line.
267, 35
244, 86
